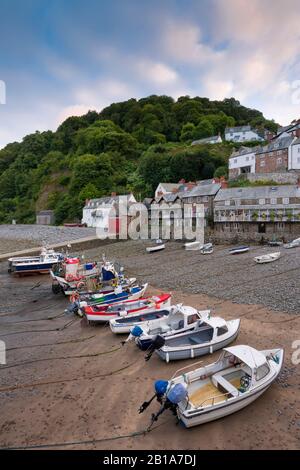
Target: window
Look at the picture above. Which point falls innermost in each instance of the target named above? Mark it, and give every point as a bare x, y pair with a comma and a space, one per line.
235, 160
262, 371
273, 200
298, 149
262, 163
298, 159
261, 201
227, 203
192, 318
278, 152
261, 227
285, 200
279, 161
247, 159
205, 199
222, 330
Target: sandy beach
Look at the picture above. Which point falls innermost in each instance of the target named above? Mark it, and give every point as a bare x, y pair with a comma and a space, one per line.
68, 382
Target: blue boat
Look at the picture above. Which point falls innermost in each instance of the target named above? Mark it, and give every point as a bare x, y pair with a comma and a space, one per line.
35, 264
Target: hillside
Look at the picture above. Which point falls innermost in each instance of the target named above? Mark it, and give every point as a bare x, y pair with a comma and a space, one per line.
128, 146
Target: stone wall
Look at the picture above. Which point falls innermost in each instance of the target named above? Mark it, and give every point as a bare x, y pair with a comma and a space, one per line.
287, 177
248, 232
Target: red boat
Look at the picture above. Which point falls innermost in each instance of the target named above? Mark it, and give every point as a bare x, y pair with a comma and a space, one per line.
99, 313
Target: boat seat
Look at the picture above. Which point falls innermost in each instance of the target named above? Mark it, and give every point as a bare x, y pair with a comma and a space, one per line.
218, 379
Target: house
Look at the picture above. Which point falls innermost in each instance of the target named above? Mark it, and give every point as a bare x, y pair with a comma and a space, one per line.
103, 213
242, 134
242, 161
252, 212
275, 156
216, 139
292, 130
203, 194
294, 155
166, 188
45, 218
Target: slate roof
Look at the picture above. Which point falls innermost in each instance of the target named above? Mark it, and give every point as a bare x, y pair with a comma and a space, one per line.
238, 129
203, 190
258, 192
278, 144
207, 140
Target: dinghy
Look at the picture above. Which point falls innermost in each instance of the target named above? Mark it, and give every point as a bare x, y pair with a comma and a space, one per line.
267, 258
125, 324
294, 244
207, 249
193, 246
100, 313
153, 249
181, 318
236, 379
275, 243
208, 336
239, 249
35, 264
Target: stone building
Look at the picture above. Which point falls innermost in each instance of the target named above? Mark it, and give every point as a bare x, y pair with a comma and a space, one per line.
251, 213
275, 156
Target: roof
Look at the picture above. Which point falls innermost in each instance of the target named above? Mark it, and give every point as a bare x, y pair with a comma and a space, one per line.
245, 151
257, 192
215, 322
250, 356
238, 129
203, 190
107, 200
207, 140
277, 144
170, 186
297, 141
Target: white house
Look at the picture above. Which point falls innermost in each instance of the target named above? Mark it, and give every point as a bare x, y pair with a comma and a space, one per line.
242, 134
294, 155
102, 213
242, 161
167, 188
215, 139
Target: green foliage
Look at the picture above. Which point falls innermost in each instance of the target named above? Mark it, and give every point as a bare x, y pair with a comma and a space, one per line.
129, 146
221, 171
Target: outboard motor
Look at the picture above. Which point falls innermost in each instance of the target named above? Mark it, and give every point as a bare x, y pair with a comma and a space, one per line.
174, 396
160, 387
157, 343
135, 332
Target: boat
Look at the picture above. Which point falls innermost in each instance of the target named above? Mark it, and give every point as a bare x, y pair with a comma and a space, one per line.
119, 295
193, 246
100, 313
180, 319
268, 258
207, 249
211, 334
236, 379
71, 276
293, 244
157, 247
239, 249
35, 264
123, 325
275, 243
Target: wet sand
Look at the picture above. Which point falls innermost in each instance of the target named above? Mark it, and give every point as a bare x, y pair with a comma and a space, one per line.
65, 381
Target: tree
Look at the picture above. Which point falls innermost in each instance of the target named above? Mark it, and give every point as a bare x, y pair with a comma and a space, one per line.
221, 171
187, 132
203, 129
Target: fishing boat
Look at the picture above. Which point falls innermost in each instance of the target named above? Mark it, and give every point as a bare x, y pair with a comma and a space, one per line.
72, 276
208, 336
236, 379
268, 258
100, 313
155, 248
180, 319
293, 244
119, 295
35, 264
193, 246
239, 249
125, 324
207, 249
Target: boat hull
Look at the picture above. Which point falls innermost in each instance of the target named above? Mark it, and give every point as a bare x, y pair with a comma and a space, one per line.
31, 268
194, 351
220, 411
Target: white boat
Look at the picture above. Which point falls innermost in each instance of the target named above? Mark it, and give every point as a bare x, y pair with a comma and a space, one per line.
268, 258
207, 249
239, 249
191, 246
35, 264
294, 244
152, 249
181, 318
236, 379
209, 335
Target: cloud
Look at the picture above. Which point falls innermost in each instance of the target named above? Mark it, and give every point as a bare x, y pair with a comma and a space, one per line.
155, 72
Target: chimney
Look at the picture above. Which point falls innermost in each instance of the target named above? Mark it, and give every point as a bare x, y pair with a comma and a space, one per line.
182, 181
190, 185
223, 182
175, 190
113, 194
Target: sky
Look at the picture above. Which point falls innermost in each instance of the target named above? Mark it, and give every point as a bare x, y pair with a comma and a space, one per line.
61, 58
